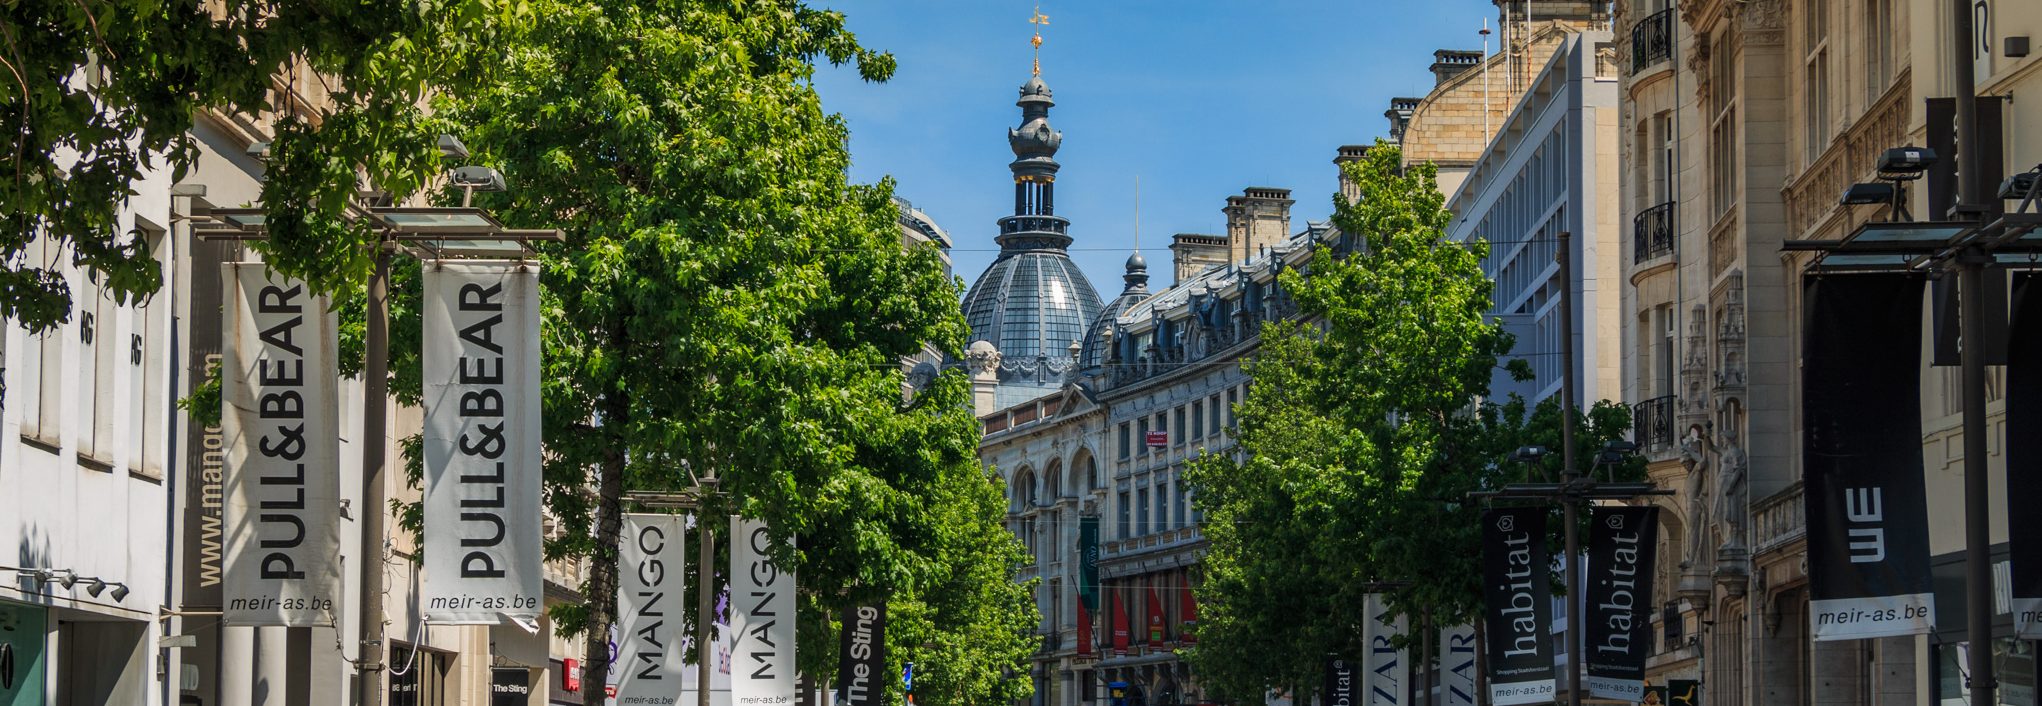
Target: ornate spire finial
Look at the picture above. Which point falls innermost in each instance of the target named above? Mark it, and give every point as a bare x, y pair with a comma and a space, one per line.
1039, 20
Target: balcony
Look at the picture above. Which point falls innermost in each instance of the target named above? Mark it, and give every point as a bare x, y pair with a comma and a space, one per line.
1651, 41
1778, 520
1652, 234
1652, 422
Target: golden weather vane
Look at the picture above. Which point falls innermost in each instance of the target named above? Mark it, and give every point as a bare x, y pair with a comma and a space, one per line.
1039, 20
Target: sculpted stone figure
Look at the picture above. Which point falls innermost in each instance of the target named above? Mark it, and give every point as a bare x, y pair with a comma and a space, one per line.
1694, 456
1730, 491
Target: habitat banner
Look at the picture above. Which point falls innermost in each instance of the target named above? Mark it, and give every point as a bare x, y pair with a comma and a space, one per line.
481, 372
281, 430
1868, 528
1387, 668
861, 664
652, 610
1517, 606
1088, 562
762, 619
1457, 665
1622, 542
2024, 456
1341, 682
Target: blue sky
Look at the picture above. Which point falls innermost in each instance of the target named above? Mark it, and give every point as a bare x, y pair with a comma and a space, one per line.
1199, 98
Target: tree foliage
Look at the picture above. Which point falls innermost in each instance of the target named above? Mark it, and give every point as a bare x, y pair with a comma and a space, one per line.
1363, 432
728, 303
96, 96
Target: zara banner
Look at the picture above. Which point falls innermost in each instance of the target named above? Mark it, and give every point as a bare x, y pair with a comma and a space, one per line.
1387, 670
1517, 606
652, 564
2024, 456
762, 619
281, 430
1868, 525
481, 371
1622, 542
1457, 665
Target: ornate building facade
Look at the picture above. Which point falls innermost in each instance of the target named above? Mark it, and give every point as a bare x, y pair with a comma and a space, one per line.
1743, 124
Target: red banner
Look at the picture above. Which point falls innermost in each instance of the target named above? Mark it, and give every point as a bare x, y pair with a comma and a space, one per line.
1190, 633
1084, 631
1155, 620
1119, 625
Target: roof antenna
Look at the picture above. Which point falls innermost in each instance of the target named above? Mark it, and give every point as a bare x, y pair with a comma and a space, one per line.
1137, 214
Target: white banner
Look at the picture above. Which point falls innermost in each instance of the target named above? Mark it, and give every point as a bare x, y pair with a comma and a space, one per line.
762, 618
652, 609
1386, 671
481, 372
1457, 647
282, 435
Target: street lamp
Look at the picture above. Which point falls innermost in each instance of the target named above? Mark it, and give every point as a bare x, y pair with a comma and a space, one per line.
427, 233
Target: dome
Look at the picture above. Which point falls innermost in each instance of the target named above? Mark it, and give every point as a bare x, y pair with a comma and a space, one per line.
1031, 305
1094, 354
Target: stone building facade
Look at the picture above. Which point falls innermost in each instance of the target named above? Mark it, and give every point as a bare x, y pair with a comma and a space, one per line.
1743, 124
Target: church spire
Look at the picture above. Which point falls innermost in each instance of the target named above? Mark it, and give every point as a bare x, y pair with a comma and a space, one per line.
1034, 225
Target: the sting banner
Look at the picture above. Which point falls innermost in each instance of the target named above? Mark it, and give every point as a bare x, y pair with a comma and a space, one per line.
282, 435
482, 485
1868, 554
861, 664
2024, 456
652, 610
762, 619
1517, 606
1622, 542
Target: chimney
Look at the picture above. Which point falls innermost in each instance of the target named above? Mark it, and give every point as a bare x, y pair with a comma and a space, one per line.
1257, 219
1349, 153
1448, 63
1400, 116
1191, 253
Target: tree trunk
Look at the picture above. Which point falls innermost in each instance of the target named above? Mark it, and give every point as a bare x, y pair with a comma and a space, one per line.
600, 594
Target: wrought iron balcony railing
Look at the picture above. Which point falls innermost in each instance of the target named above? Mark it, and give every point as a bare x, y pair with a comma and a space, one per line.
1652, 422
1652, 234
1651, 40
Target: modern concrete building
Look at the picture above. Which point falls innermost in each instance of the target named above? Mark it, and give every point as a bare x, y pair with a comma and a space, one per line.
1552, 168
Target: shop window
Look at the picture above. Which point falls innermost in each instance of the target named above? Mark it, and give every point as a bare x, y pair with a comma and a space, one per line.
418, 677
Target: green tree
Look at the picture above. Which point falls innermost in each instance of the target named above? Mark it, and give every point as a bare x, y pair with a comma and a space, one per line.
1364, 431
728, 303
97, 95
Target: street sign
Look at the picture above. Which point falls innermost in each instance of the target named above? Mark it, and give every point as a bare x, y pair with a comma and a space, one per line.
1157, 439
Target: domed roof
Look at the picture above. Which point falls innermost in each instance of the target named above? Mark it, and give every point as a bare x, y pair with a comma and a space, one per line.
1032, 305
1093, 353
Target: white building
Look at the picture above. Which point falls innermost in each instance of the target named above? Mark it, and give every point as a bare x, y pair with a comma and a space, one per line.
1552, 167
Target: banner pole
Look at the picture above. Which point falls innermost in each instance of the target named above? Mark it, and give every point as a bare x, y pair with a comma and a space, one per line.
705, 605
375, 414
1571, 503
1977, 499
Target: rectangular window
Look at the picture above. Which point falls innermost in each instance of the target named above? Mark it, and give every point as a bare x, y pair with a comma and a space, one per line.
1723, 124
1178, 440
1878, 49
1125, 446
1181, 498
1142, 426
1815, 116
148, 376
1198, 419
1212, 409
1126, 516
1162, 518
1232, 423
43, 359
1141, 511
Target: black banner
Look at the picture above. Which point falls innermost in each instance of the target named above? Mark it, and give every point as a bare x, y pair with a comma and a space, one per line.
1518, 606
1868, 554
1622, 542
510, 686
2024, 456
1342, 683
1088, 562
861, 664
